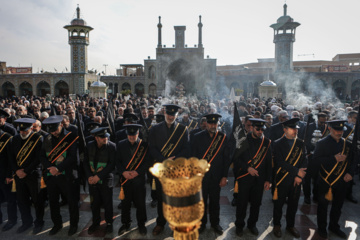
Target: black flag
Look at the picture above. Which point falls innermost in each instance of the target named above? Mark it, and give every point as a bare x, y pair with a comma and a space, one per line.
238, 135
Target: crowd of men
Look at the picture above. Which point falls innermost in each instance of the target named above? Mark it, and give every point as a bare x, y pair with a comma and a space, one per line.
49, 147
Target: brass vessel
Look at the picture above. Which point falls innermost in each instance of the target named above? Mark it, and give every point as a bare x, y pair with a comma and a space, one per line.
183, 205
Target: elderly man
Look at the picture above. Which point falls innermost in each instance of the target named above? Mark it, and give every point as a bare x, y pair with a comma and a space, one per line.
167, 139
6, 127
25, 162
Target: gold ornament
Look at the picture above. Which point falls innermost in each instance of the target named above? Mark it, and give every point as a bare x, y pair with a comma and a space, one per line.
183, 205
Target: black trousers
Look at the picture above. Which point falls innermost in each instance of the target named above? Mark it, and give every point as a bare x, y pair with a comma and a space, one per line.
160, 220
250, 191
150, 178
10, 198
292, 194
339, 194
101, 194
56, 186
27, 192
311, 178
134, 191
211, 192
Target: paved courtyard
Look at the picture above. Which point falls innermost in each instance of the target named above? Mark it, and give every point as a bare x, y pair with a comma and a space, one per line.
305, 221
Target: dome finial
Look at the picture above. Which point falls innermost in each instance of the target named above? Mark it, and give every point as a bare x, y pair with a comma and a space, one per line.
285, 9
78, 11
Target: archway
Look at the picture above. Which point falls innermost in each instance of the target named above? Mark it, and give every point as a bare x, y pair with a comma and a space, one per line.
152, 74
355, 90
42, 89
152, 89
8, 89
339, 87
139, 89
181, 72
126, 86
26, 89
116, 88
61, 89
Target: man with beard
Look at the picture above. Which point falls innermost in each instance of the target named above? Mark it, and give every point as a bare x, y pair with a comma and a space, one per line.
98, 169
290, 165
253, 174
211, 145
151, 115
337, 167
59, 159
25, 161
167, 140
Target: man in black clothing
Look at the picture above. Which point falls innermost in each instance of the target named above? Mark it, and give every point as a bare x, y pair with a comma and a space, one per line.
59, 159
132, 163
98, 169
253, 173
167, 140
6, 127
211, 145
6, 179
290, 166
25, 162
337, 167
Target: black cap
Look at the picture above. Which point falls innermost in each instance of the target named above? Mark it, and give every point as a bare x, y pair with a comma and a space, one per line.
92, 125
212, 118
4, 114
130, 117
132, 129
338, 125
24, 123
151, 107
53, 122
257, 122
159, 118
100, 132
171, 109
291, 123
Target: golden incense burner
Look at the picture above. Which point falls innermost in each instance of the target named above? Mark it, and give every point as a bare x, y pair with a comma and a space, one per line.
183, 205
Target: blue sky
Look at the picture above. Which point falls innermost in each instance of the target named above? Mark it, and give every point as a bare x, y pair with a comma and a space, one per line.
125, 31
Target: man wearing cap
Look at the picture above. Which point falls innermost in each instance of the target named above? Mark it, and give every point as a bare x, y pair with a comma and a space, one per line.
290, 166
132, 163
91, 126
98, 170
313, 167
6, 127
25, 162
6, 179
129, 118
167, 140
59, 159
337, 167
253, 173
211, 145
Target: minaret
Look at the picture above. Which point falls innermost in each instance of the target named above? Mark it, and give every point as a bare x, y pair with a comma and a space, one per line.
200, 25
159, 33
284, 36
78, 33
